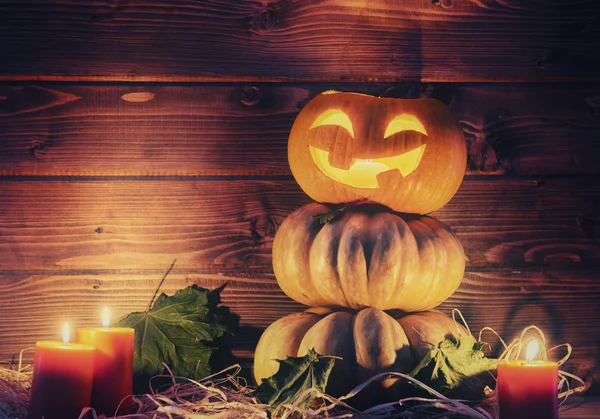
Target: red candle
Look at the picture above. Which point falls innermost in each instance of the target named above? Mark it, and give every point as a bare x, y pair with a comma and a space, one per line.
528, 389
62, 379
113, 367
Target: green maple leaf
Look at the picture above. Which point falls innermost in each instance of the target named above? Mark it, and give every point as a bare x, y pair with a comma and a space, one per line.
179, 331
295, 375
456, 366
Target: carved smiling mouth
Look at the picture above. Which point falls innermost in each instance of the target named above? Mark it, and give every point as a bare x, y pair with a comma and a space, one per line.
363, 173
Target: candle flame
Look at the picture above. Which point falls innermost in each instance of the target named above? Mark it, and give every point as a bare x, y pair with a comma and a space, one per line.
66, 334
532, 350
105, 318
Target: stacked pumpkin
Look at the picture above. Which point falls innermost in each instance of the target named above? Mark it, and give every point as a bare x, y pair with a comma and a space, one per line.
373, 270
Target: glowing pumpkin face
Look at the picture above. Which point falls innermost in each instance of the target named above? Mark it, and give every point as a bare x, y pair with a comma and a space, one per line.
409, 155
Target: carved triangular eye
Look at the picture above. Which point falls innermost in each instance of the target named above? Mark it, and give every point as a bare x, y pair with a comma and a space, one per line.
334, 117
404, 122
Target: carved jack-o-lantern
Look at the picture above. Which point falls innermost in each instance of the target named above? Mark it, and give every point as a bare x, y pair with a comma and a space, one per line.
407, 154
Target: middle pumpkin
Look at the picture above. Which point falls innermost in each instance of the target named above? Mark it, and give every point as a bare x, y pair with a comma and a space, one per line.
367, 257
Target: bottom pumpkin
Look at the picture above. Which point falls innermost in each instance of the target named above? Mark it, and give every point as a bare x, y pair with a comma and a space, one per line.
369, 342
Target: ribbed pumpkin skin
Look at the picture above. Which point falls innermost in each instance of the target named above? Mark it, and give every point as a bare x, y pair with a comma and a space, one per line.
369, 342
432, 184
369, 257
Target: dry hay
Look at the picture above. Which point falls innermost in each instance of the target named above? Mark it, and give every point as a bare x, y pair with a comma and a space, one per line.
15, 382
225, 396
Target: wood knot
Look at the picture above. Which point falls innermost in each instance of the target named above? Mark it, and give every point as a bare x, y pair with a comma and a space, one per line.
138, 97
20, 100
35, 148
99, 230
262, 20
562, 259
561, 253
263, 226
250, 95
444, 4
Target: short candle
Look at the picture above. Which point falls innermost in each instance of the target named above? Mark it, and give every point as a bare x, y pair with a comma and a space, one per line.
62, 379
528, 389
113, 366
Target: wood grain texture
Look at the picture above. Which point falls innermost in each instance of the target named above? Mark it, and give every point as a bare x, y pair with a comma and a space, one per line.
226, 130
301, 40
578, 407
141, 223
563, 302
103, 185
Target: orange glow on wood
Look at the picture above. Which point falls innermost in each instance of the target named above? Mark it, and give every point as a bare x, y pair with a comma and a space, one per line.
66, 334
105, 318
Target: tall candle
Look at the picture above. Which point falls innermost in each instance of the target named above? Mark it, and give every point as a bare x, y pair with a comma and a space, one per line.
528, 389
62, 379
113, 366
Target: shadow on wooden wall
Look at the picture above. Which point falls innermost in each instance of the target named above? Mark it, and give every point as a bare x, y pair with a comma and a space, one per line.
131, 134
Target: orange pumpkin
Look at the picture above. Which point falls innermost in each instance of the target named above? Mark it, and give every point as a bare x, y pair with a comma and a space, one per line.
368, 257
369, 342
407, 154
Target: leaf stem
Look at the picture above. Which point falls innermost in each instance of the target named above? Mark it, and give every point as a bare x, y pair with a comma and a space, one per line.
160, 285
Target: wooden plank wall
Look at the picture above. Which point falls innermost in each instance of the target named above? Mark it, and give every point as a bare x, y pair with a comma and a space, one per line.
135, 133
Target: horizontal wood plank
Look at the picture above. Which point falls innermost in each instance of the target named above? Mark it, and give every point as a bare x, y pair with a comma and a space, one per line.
91, 224
580, 407
562, 302
229, 130
300, 40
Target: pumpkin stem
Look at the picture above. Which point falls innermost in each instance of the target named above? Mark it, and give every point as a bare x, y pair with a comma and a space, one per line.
336, 211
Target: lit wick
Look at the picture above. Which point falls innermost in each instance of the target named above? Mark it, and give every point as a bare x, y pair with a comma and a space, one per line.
66, 335
105, 318
532, 350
